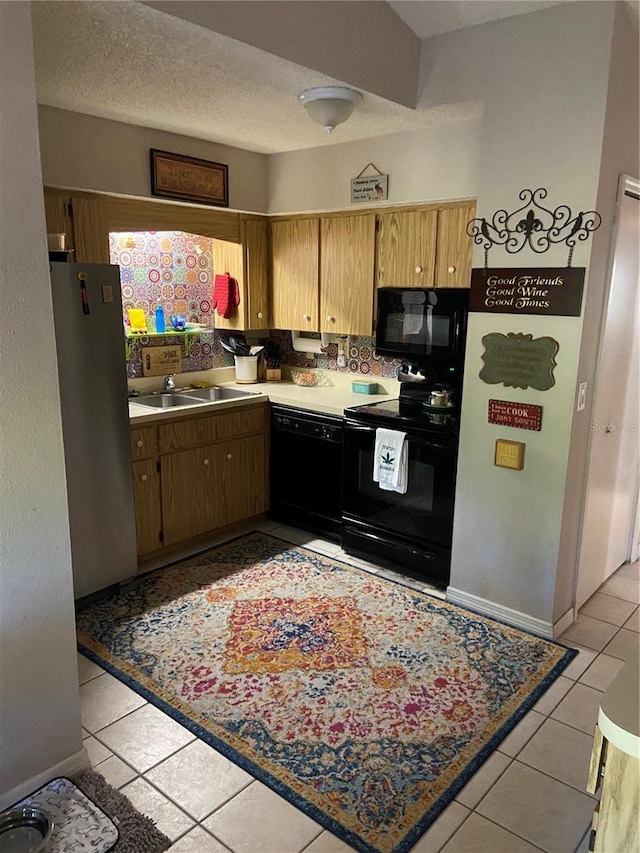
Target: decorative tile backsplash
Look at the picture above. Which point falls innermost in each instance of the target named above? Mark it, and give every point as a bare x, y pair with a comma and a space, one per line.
175, 270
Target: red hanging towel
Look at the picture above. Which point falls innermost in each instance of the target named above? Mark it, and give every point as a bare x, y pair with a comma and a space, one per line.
226, 295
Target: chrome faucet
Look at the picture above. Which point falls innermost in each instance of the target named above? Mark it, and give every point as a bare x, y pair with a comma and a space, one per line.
169, 384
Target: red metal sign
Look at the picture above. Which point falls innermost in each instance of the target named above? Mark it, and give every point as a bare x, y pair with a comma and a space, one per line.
518, 415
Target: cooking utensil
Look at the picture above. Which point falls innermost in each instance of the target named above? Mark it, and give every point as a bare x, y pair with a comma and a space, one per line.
239, 347
256, 350
228, 348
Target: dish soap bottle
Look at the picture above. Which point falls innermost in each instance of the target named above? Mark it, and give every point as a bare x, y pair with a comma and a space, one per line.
160, 320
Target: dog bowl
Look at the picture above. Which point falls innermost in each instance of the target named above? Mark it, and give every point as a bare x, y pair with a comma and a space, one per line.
25, 830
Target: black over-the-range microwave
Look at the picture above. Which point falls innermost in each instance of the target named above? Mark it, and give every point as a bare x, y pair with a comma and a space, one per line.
422, 325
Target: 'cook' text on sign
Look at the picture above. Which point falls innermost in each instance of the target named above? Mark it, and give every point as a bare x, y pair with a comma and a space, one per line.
553, 290
518, 415
518, 360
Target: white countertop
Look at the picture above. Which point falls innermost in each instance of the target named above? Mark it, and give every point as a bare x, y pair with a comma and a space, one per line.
619, 715
332, 399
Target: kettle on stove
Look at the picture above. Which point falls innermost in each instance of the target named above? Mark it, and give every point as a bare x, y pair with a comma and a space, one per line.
440, 398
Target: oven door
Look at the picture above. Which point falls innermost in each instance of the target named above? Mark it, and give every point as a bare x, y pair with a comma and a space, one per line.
424, 514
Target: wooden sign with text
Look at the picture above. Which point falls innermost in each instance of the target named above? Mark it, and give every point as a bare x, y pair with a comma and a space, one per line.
159, 361
518, 360
555, 291
518, 415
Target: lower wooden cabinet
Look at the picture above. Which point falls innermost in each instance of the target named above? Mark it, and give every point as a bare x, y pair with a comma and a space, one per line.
146, 496
208, 484
615, 827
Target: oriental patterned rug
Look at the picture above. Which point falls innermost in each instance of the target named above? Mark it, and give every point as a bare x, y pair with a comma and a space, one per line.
364, 703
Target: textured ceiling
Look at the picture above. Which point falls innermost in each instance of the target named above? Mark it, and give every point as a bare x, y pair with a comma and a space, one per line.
131, 63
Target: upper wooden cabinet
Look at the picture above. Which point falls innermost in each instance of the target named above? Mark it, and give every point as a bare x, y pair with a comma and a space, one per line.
248, 263
295, 254
322, 274
347, 251
83, 220
426, 247
454, 255
406, 248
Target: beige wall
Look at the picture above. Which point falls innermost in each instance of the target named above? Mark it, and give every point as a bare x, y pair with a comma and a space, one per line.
39, 702
364, 43
89, 153
542, 126
620, 155
423, 165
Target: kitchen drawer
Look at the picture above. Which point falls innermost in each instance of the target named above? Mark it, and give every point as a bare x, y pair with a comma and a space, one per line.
197, 431
144, 442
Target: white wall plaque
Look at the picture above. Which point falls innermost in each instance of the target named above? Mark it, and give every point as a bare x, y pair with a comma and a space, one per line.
371, 188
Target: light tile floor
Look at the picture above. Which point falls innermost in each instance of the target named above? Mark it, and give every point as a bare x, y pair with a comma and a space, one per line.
529, 796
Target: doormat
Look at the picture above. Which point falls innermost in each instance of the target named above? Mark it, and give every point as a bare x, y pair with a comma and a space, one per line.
366, 704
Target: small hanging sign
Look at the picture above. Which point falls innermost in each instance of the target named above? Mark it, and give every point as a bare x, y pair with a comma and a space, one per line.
369, 188
517, 415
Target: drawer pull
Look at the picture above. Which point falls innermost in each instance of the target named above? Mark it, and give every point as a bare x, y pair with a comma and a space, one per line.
229, 455
139, 443
260, 315
418, 269
144, 478
205, 462
451, 269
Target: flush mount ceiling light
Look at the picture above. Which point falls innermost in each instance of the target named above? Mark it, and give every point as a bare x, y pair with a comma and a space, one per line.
329, 105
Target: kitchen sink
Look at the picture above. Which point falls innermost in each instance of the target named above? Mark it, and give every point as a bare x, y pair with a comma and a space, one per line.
215, 393
165, 401
191, 397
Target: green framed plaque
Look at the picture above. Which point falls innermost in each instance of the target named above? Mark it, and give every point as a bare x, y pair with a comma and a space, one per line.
518, 360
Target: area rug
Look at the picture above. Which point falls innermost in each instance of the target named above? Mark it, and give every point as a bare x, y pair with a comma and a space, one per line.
364, 703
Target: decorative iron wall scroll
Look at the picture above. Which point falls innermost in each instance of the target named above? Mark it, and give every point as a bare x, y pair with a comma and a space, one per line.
533, 225
518, 360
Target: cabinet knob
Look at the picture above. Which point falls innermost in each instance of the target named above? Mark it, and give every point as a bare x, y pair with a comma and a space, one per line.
205, 461
139, 442
330, 319
260, 315
144, 478
306, 316
229, 455
418, 269
451, 269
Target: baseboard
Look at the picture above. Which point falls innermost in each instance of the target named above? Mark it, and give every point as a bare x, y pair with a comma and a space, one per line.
73, 764
498, 611
564, 622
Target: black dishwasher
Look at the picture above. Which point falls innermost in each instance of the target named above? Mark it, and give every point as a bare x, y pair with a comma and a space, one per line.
306, 470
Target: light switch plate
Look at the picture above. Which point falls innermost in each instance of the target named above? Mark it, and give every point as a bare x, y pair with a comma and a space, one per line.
582, 397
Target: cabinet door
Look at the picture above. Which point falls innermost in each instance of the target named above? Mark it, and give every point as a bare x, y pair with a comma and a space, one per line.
406, 248
256, 258
228, 257
91, 231
146, 496
455, 247
57, 211
192, 497
347, 254
240, 469
295, 267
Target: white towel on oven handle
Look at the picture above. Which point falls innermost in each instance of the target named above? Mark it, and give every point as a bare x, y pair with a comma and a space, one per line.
390, 460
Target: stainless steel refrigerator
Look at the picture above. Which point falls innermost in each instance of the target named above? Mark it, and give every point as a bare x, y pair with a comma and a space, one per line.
90, 344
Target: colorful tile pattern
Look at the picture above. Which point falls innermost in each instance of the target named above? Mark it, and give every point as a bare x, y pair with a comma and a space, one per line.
175, 270
364, 703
